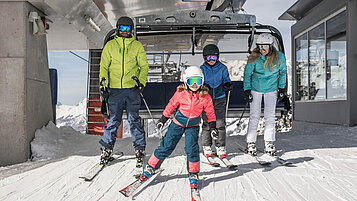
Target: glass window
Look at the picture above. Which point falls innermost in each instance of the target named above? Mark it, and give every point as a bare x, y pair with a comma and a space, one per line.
321, 69
336, 57
302, 75
317, 81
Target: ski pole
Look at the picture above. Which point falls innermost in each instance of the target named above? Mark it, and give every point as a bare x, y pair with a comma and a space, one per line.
136, 80
229, 94
246, 105
102, 83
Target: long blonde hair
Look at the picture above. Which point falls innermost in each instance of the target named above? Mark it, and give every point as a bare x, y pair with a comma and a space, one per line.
272, 57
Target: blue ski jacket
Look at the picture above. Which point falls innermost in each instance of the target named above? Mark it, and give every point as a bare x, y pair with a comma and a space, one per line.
215, 76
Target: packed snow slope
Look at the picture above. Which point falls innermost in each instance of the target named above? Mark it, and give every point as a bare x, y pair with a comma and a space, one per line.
324, 168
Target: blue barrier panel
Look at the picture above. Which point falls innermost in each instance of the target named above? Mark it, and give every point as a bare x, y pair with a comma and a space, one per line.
157, 95
54, 84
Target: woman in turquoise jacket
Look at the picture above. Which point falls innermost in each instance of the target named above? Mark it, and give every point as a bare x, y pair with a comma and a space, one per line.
264, 75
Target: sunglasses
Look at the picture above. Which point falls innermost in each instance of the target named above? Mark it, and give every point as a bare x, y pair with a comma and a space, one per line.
123, 28
191, 81
264, 47
211, 58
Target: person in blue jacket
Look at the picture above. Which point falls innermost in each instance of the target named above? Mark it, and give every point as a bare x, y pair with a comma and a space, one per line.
264, 75
216, 78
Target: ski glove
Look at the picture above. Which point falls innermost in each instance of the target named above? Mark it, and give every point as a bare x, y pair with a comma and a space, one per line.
228, 86
104, 93
281, 94
160, 124
248, 96
213, 130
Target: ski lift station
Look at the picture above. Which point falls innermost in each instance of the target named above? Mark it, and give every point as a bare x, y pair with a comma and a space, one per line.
324, 49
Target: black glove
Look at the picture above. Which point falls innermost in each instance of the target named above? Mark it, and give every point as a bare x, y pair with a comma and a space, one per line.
161, 122
213, 130
139, 88
281, 94
228, 86
207, 85
104, 92
248, 96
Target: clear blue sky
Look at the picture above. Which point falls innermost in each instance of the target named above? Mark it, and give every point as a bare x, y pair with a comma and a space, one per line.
72, 71
72, 75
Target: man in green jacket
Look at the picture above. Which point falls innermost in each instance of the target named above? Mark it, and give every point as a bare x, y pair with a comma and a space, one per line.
122, 58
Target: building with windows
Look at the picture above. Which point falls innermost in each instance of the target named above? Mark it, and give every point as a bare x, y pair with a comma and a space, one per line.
324, 61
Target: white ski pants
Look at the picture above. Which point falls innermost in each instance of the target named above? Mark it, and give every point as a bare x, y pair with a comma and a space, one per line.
269, 115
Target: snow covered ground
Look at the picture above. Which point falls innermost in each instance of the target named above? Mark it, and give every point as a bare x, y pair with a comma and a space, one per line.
324, 168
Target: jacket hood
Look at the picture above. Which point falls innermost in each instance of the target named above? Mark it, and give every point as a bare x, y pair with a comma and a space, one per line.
118, 38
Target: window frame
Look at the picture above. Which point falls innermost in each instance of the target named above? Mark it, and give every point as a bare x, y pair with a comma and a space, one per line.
306, 31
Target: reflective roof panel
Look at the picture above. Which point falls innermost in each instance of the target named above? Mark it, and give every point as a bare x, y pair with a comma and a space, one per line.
113, 9
299, 9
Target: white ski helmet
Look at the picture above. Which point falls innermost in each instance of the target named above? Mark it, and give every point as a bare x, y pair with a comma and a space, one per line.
192, 71
265, 39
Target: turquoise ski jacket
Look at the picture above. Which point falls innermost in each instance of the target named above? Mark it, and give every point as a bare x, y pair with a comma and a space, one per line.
260, 79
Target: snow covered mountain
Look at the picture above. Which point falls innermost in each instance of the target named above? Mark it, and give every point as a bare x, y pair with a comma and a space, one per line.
72, 116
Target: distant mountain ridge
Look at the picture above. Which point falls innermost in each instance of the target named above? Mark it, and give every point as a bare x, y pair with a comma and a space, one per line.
72, 116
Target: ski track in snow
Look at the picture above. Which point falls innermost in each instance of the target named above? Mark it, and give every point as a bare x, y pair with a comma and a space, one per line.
324, 168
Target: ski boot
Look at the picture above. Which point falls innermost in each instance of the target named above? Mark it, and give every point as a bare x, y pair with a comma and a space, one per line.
251, 148
139, 155
207, 151
147, 173
221, 152
270, 148
106, 156
193, 178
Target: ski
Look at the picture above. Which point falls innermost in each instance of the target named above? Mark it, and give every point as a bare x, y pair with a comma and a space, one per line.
228, 163
257, 158
212, 161
95, 170
195, 194
282, 162
138, 185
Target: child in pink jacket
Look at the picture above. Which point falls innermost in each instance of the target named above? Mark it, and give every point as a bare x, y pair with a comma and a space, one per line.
191, 99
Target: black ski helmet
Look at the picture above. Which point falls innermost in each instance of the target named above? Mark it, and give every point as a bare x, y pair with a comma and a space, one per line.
210, 49
125, 21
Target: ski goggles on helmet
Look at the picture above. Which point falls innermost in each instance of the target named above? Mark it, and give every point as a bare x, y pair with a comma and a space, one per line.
264, 47
211, 58
191, 81
123, 28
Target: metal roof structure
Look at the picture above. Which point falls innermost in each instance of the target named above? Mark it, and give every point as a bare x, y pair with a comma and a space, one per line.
299, 9
72, 20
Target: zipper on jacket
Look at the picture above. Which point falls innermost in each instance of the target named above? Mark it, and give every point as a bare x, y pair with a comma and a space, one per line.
189, 114
213, 83
122, 73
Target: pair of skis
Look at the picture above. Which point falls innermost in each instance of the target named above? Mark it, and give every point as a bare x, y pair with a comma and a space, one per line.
212, 161
96, 169
264, 162
136, 186
282, 162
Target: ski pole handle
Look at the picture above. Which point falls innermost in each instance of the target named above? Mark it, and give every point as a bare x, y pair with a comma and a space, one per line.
102, 83
136, 80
